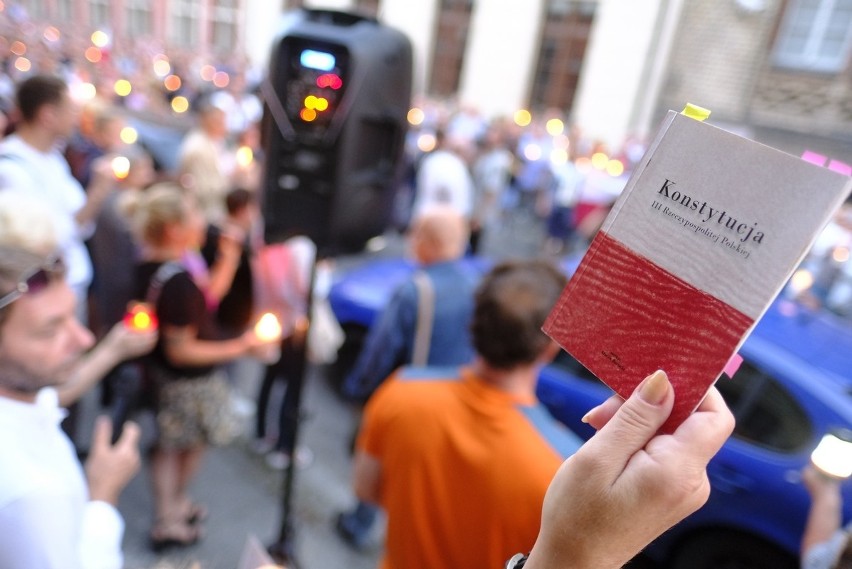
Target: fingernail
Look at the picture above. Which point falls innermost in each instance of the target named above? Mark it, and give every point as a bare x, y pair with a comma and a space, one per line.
585, 418
655, 387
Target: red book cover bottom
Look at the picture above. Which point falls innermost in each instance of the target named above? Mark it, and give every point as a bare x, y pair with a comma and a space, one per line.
623, 317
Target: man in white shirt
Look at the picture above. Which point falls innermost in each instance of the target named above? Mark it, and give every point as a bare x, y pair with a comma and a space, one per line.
52, 514
31, 163
443, 179
207, 165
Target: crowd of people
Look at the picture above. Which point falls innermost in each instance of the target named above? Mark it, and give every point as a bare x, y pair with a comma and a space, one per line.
91, 65
468, 467
126, 230
545, 174
55, 515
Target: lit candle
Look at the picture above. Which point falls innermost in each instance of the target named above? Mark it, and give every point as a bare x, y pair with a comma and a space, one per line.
268, 328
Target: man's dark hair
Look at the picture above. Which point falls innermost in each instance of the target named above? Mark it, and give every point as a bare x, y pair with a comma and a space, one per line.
237, 200
37, 91
511, 305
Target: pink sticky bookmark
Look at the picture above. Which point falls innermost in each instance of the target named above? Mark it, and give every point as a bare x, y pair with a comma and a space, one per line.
814, 158
840, 167
733, 365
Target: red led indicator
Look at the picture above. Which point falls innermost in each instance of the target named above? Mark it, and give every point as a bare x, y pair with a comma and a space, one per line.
329, 80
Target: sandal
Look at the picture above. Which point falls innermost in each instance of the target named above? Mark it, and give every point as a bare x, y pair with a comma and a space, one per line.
165, 535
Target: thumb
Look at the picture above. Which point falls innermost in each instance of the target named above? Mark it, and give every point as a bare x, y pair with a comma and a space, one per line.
635, 423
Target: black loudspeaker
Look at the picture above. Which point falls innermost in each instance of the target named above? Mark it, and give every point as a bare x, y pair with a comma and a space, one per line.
336, 104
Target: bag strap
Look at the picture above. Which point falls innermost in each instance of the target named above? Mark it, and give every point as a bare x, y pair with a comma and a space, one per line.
163, 275
425, 318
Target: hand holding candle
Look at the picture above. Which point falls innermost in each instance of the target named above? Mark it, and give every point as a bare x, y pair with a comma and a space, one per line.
135, 335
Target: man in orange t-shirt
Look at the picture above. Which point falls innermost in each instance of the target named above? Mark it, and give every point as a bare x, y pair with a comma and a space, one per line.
461, 458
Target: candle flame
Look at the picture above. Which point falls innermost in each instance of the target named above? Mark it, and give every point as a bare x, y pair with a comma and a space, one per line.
268, 328
120, 167
139, 318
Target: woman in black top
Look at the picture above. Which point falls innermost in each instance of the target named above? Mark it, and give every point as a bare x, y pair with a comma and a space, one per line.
192, 403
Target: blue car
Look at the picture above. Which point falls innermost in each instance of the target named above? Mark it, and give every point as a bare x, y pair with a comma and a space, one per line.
794, 386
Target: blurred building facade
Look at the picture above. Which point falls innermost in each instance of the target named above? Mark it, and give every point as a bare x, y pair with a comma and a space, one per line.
211, 26
613, 67
784, 64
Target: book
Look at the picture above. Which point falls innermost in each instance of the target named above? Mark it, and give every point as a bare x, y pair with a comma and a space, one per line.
707, 231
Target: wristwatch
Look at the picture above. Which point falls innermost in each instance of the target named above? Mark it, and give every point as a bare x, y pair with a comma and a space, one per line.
517, 561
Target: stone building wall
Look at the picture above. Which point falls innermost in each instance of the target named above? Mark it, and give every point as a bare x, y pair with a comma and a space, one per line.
722, 60
804, 102
719, 49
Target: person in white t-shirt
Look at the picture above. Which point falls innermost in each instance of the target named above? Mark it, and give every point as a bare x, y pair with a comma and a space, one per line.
443, 179
31, 163
207, 165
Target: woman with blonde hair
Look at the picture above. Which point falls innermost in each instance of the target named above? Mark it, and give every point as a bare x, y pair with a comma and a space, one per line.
192, 397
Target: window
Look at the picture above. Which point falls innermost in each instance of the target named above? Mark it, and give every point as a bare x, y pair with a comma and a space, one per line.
138, 17
224, 20
185, 23
34, 8
815, 35
767, 415
560, 58
451, 34
99, 13
65, 10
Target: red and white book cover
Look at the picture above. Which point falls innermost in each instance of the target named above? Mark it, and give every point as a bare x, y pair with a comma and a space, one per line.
705, 234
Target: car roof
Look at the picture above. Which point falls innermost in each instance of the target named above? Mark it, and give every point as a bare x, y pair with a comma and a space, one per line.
807, 341
359, 294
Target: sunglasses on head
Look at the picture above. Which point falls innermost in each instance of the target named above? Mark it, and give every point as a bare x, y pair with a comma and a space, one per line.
35, 280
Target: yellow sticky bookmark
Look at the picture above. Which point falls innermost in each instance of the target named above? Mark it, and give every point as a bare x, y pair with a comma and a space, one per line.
695, 112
